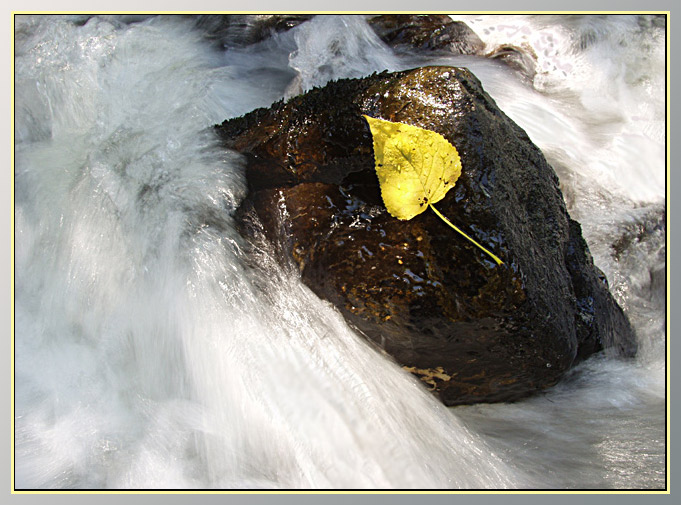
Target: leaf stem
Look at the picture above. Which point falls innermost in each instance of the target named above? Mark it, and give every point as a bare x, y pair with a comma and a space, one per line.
499, 262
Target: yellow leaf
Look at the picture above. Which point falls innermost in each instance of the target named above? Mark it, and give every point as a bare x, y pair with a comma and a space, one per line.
415, 168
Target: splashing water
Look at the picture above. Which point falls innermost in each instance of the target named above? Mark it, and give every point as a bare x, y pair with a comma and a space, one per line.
152, 352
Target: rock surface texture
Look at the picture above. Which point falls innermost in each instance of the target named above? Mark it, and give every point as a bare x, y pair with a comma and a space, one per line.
427, 32
472, 330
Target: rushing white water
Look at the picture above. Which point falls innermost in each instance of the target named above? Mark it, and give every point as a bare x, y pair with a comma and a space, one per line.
152, 353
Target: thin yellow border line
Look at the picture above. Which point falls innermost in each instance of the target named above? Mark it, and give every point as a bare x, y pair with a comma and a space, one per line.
341, 491
353, 492
667, 262
486, 13
11, 150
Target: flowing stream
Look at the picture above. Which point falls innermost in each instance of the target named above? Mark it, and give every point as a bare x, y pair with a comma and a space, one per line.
149, 353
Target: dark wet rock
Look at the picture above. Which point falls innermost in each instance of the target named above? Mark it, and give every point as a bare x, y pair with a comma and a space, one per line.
239, 30
428, 32
522, 59
642, 236
472, 330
